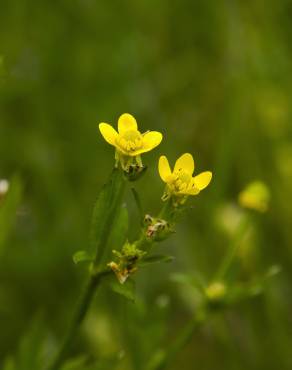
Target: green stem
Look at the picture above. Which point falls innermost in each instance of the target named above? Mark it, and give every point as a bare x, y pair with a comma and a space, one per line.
138, 203
165, 213
79, 314
104, 213
141, 241
113, 194
163, 359
166, 210
233, 248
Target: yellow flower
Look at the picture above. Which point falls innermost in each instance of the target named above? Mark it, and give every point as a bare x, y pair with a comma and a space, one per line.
255, 196
215, 291
180, 183
128, 141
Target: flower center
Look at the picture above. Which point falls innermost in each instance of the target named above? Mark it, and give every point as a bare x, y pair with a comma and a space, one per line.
181, 181
130, 140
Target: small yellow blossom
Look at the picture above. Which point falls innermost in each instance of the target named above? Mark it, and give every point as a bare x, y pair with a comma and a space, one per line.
215, 291
128, 141
180, 183
255, 196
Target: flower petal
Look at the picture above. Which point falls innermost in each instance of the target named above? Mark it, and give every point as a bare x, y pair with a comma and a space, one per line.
126, 122
108, 132
186, 163
193, 190
151, 139
163, 168
202, 180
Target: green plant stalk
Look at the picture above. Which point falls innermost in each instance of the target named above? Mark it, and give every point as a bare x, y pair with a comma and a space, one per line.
113, 195
142, 242
78, 316
138, 203
232, 249
163, 359
166, 210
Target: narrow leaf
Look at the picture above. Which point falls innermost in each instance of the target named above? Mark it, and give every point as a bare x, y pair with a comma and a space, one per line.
138, 203
119, 231
31, 349
195, 280
156, 258
81, 256
84, 363
9, 364
126, 290
76, 363
105, 210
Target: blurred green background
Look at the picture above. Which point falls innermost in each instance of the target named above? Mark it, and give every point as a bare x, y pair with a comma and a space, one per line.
215, 79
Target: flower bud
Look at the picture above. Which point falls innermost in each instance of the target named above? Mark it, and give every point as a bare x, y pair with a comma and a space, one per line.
216, 293
255, 196
157, 229
134, 171
126, 261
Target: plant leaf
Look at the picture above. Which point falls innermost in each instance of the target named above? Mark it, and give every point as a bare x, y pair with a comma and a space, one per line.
119, 232
253, 288
195, 280
127, 290
156, 258
81, 256
138, 203
104, 212
273, 271
76, 363
31, 350
84, 363
9, 364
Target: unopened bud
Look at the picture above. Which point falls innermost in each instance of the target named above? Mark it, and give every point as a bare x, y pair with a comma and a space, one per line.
157, 229
126, 261
134, 172
216, 292
255, 196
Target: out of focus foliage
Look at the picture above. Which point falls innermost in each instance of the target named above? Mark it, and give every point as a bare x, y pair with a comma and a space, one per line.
215, 78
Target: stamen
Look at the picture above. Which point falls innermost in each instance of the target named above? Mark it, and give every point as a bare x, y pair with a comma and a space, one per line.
130, 140
181, 181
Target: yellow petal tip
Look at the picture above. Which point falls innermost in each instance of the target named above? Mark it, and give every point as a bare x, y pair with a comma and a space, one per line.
203, 179
108, 132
